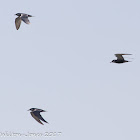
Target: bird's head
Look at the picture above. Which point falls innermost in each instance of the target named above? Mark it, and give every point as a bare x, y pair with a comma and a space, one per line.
18, 14
36, 109
30, 16
113, 61
31, 109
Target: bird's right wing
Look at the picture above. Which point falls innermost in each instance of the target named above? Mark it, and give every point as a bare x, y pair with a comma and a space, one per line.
36, 118
36, 113
17, 22
119, 56
25, 19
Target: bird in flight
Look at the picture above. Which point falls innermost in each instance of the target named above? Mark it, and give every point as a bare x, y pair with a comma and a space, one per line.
120, 58
35, 113
21, 17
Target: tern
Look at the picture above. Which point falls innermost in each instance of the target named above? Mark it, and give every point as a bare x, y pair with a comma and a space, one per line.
120, 58
35, 113
21, 17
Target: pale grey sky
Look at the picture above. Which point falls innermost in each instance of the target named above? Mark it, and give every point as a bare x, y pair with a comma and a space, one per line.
61, 63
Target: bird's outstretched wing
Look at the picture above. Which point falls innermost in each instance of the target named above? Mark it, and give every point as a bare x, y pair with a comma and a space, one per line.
25, 19
36, 113
17, 22
120, 57
36, 118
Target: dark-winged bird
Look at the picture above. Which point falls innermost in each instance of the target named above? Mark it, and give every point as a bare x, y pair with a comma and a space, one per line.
21, 17
36, 115
120, 58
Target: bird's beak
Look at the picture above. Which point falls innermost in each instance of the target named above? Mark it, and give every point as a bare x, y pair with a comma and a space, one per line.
28, 110
31, 16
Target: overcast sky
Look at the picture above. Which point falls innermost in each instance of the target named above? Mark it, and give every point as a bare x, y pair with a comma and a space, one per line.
61, 63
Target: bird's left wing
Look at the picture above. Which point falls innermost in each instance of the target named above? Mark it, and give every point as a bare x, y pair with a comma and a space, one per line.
17, 22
